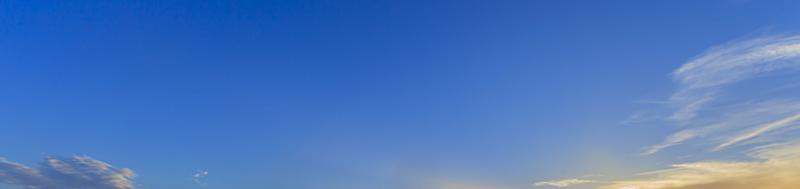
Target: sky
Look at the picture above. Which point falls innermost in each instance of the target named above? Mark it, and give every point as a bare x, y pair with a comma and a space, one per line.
408, 94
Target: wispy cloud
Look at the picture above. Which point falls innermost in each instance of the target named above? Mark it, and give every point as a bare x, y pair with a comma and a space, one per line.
672, 140
706, 79
743, 92
774, 167
66, 173
759, 131
564, 183
465, 185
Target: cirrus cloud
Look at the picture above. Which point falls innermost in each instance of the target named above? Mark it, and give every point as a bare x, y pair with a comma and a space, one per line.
66, 173
705, 80
732, 97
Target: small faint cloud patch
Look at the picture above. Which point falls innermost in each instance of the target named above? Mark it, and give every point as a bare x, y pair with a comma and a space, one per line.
199, 177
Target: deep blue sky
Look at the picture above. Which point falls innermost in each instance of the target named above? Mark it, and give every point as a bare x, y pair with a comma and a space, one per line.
350, 94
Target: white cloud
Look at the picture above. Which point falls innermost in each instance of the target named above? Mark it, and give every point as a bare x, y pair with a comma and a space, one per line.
744, 92
716, 106
563, 183
738, 61
705, 80
66, 173
672, 140
760, 131
199, 177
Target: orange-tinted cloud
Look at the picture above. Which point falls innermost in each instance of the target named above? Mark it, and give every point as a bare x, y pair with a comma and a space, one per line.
774, 167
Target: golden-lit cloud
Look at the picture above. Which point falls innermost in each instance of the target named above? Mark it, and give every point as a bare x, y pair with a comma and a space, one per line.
773, 167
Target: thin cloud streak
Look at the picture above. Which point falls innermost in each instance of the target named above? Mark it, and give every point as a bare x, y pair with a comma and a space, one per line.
761, 130
563, 183
672, 140
705, 79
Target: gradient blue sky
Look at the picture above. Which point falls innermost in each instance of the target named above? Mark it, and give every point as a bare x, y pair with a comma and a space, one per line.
354, 94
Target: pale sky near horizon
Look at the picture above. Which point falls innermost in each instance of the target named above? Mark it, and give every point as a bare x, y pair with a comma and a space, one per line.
453, 94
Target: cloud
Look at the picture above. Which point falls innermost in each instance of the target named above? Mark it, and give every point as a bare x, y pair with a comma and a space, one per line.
733, 95
738, 61
672, 140
706, 104
742, 92
66, 173
463, 184
564, 183
422, 180
772, 167
199, 176
760, 130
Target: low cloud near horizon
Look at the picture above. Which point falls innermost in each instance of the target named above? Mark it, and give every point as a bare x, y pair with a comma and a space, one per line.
66, 173
773, 167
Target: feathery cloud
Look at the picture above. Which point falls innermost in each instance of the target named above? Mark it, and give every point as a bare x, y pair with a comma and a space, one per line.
773, 167
66, 173
704, 80
759, 131
563, 183
718, 104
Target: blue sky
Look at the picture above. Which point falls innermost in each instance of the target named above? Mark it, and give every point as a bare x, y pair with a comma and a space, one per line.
387, 94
